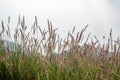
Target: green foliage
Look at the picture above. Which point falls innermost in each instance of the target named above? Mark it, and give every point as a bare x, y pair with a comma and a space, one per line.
38, 59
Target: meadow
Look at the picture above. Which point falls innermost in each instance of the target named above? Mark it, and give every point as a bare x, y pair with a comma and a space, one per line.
41, 54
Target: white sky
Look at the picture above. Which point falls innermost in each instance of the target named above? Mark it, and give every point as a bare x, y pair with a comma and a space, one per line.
64, 14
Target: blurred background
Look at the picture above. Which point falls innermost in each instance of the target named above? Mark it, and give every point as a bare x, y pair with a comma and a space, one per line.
101, 15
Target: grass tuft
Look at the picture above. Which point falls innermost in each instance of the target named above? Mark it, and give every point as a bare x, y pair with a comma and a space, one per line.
44, 55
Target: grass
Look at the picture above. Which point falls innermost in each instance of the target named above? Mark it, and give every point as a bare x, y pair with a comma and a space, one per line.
48, 57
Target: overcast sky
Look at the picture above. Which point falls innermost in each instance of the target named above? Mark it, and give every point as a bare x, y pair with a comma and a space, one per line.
101, 15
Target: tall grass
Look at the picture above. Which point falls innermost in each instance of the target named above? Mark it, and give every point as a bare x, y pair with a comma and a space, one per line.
43, 55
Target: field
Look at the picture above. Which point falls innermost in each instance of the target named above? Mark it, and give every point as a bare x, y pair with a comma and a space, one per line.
43, 55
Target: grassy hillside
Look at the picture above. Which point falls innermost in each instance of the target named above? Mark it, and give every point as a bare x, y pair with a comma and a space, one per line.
43, 55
